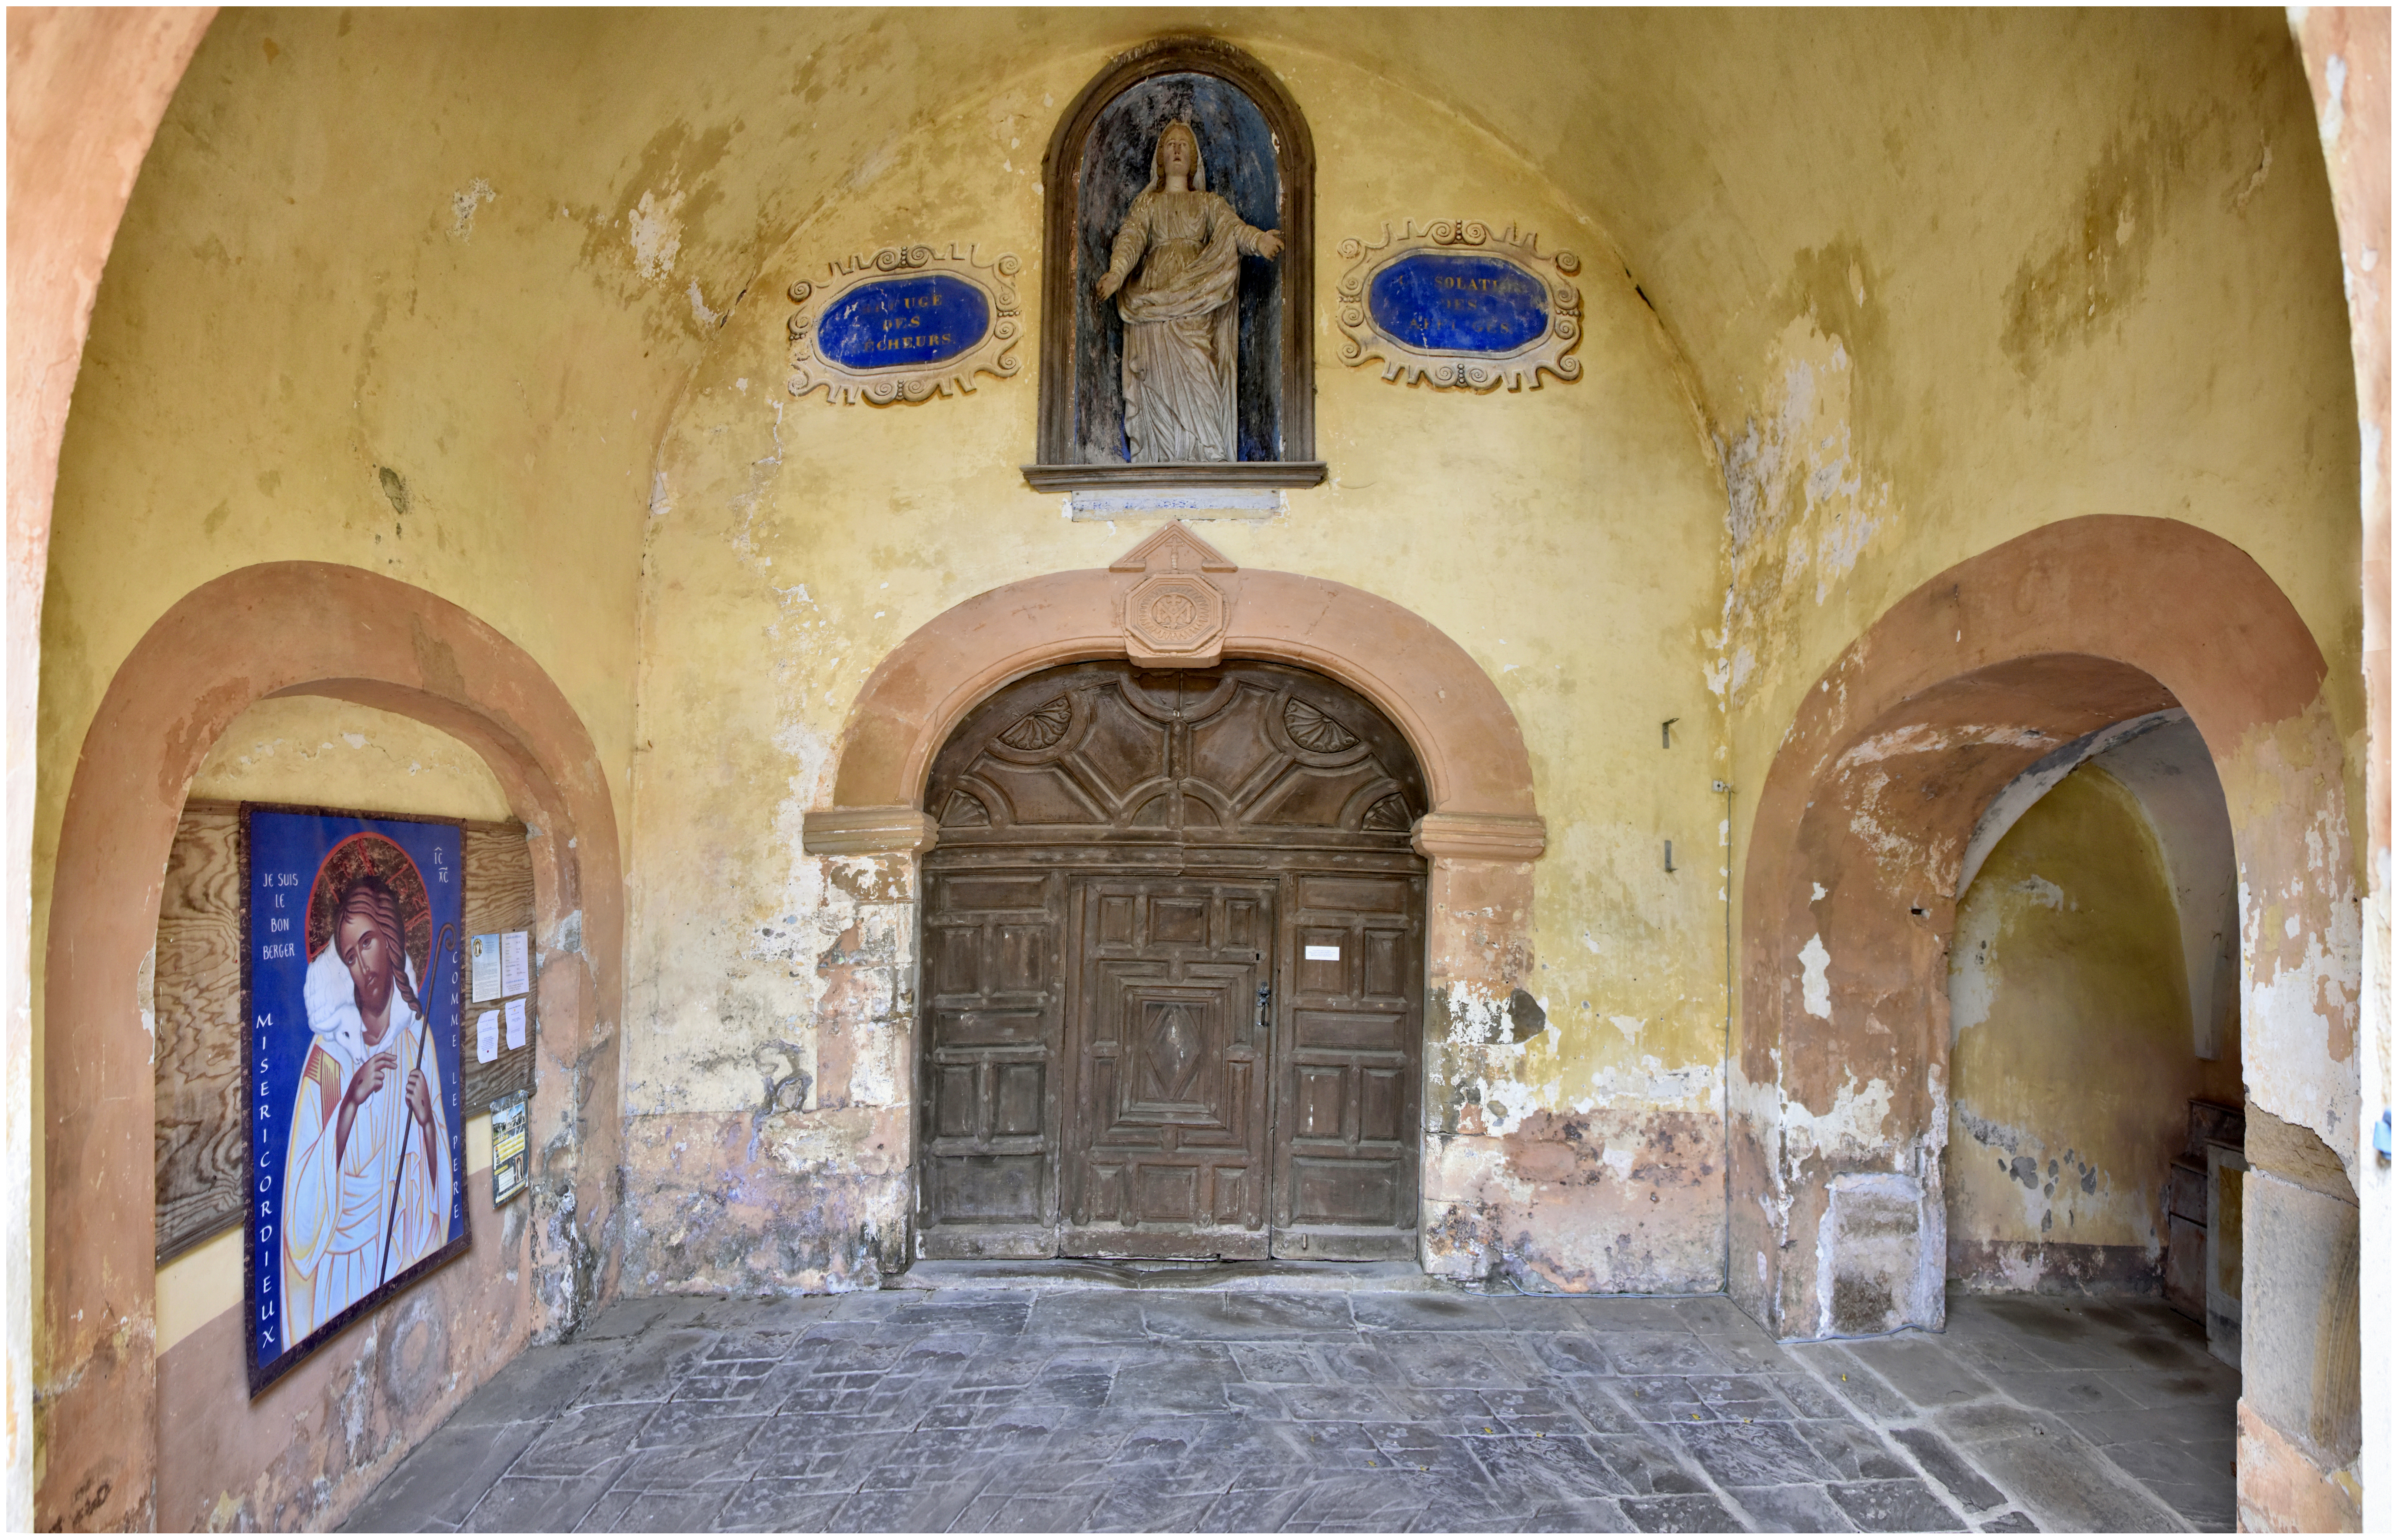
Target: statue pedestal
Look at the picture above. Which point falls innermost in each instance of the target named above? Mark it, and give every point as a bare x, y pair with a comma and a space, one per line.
1210, 479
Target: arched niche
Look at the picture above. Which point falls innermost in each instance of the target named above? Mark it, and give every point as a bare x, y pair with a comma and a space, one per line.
285, 629
1839, 1080
1259, 154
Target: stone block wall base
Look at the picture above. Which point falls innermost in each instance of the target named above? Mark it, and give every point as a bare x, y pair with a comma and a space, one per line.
2283, 1491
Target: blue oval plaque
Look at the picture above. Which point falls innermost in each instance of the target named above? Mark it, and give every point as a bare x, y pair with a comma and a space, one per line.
896, 323
1449, 301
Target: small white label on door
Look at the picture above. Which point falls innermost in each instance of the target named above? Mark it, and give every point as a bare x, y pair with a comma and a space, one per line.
1323, 955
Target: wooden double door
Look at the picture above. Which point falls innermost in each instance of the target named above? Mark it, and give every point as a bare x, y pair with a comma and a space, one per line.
1193, 1034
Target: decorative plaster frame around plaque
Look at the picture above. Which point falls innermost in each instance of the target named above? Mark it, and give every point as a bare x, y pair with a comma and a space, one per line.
844, 385
1447, 370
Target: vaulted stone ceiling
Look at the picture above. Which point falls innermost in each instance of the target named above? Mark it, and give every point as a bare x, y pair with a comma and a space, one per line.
1746, 165
1969, 266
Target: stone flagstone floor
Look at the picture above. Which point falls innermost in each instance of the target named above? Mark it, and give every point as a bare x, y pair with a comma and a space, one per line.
1274, 1403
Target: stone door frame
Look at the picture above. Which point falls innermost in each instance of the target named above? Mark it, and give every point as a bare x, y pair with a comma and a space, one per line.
1481, 836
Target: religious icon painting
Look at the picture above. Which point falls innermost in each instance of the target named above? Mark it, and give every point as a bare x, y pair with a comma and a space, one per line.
356, 1143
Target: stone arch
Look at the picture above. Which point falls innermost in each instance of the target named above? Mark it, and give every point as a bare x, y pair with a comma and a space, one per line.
1481, 835
284, 629
1839, 1082
1476, 766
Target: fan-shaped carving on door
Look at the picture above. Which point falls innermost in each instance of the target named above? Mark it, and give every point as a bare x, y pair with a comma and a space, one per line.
1247, 752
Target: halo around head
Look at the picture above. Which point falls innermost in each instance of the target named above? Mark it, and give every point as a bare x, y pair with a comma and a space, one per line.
363, 855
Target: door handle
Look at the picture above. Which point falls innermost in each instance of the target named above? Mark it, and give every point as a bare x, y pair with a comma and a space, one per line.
1265, 1008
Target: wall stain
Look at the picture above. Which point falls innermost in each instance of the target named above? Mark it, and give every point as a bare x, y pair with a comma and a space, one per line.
394, 489
2072, 290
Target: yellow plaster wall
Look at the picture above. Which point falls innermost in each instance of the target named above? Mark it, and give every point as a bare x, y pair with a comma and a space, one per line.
2071, 1064
456, 370
2082, 264
1566, 537
314, 339
316, 752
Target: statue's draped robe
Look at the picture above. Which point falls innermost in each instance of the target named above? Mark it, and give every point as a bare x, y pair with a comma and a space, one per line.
336, 1204
1182, 323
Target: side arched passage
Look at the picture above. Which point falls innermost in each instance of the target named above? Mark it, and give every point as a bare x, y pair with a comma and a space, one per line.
2094, 1032
1840, 1087
292, 629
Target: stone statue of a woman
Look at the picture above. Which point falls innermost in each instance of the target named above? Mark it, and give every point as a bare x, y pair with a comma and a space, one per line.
1181, 248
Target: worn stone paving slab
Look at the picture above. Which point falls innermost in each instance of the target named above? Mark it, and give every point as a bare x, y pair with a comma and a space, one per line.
1204, 1402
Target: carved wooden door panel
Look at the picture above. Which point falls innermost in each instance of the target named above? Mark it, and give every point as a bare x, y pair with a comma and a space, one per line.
1126, 859
1166, 1148
1348, 1073
994, 1013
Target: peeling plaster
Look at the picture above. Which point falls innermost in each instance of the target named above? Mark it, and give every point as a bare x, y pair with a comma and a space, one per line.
2044, 774
462, 206
1817, 983
655, 232
1854, 1130
1802, 508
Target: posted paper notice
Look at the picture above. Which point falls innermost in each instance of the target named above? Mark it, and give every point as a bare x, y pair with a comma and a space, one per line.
509, 1161
516, 961
483, 954
516, 1023
487, 1036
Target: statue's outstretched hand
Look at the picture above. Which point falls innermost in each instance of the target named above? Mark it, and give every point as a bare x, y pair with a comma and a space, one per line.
1108, 284
1270, 245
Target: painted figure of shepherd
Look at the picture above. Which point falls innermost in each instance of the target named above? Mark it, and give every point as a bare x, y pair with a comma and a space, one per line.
367, 1185
1175, 271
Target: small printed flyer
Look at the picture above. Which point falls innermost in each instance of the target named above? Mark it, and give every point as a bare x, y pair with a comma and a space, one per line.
483, 956
516, 962
509, 1158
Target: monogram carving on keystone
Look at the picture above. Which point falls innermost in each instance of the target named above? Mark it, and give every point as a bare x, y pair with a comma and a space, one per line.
1174, 616
1175, 613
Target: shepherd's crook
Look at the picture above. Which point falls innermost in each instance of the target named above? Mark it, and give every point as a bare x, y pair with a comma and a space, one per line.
432, 983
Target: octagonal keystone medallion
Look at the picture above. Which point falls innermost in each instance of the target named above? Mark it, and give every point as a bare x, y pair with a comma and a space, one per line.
1174, 620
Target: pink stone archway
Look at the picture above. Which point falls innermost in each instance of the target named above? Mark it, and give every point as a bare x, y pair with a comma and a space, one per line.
285, 628
1848, 902
1483, 831
1481, 836
1454, 717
